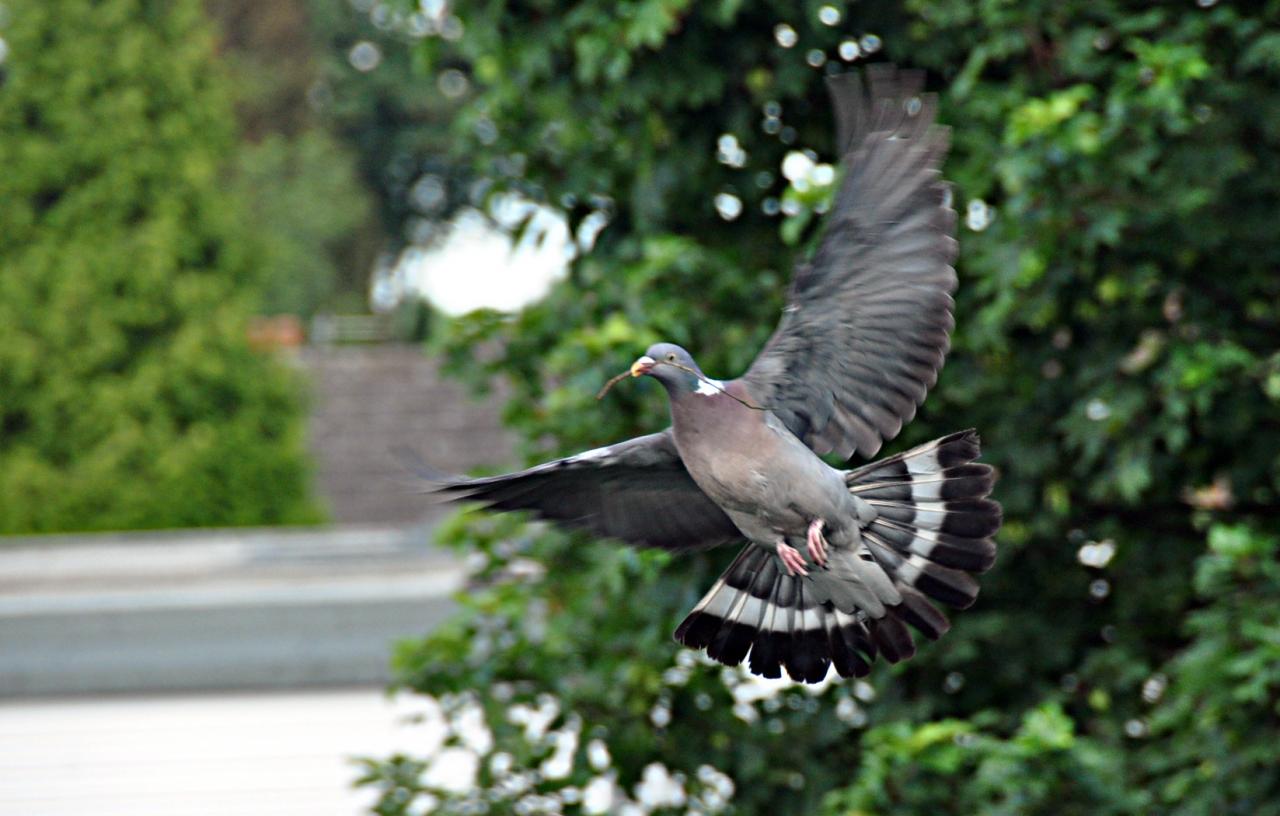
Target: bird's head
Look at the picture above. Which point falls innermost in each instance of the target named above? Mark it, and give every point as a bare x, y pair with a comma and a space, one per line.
670, 365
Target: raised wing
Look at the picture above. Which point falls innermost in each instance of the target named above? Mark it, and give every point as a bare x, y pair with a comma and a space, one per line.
869, 317
637, 491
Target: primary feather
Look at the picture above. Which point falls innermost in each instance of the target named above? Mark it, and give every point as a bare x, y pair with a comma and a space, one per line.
869, 318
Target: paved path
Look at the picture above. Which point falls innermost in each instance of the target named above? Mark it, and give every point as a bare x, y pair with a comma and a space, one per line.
228, 755
234, 609
146, 618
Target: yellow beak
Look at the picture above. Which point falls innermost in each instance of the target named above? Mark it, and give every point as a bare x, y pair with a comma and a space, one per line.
642, 366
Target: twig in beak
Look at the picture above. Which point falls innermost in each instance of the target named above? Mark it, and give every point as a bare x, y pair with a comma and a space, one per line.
612, 382
704, 378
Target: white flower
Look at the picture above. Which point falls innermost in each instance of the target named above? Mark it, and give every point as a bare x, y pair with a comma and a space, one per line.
658, 788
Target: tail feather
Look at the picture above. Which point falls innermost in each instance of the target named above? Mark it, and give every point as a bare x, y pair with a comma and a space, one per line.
810, 655
755, 611
851, 651
931, 503
950, 586
771, 642
932, 528
893, 638
917, 611
955, 449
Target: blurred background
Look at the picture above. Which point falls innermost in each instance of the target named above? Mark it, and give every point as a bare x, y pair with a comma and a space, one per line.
249, 249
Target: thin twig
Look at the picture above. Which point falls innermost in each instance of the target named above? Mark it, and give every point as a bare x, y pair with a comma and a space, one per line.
703, 377
612, 382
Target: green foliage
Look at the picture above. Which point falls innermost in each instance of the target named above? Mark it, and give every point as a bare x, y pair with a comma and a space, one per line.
954, 767
1216, 728
128, 394
304, 201
1117, 327
368, 94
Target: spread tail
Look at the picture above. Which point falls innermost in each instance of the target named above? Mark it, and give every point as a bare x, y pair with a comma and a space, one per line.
932, 528
933, 516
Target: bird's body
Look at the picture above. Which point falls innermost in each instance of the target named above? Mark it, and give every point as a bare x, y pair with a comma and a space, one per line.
837, 562
750, 464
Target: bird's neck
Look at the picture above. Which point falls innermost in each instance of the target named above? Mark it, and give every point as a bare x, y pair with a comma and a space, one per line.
708, 408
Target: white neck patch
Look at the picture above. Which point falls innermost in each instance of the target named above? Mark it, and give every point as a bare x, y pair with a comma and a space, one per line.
709, 387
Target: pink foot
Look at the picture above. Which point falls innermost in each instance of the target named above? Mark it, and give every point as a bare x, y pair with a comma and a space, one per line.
817, 545
791, 558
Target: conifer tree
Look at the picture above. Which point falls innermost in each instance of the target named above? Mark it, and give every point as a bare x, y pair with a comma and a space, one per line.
129, 396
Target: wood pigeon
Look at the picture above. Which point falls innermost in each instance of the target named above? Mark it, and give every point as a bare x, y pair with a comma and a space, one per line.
836, 562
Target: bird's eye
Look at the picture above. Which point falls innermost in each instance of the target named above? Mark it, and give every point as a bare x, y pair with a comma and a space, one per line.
671, 358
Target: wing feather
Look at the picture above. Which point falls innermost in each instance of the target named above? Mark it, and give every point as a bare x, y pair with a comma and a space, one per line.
869, 318
637, 491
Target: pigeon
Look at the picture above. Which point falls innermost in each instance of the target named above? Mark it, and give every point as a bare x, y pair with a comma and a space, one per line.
835, 563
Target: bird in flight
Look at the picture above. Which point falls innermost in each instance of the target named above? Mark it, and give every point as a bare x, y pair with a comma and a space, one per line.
836, 563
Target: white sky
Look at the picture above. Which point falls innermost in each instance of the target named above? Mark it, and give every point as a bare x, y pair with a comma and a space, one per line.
477, 266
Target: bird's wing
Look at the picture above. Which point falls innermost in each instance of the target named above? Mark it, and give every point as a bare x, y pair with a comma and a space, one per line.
869, 316
637, 491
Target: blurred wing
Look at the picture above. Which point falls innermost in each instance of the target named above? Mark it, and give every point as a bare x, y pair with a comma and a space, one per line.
637, 491
868, 320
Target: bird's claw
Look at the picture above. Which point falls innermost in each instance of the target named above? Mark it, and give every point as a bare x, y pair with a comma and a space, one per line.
791, 559
816, 544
